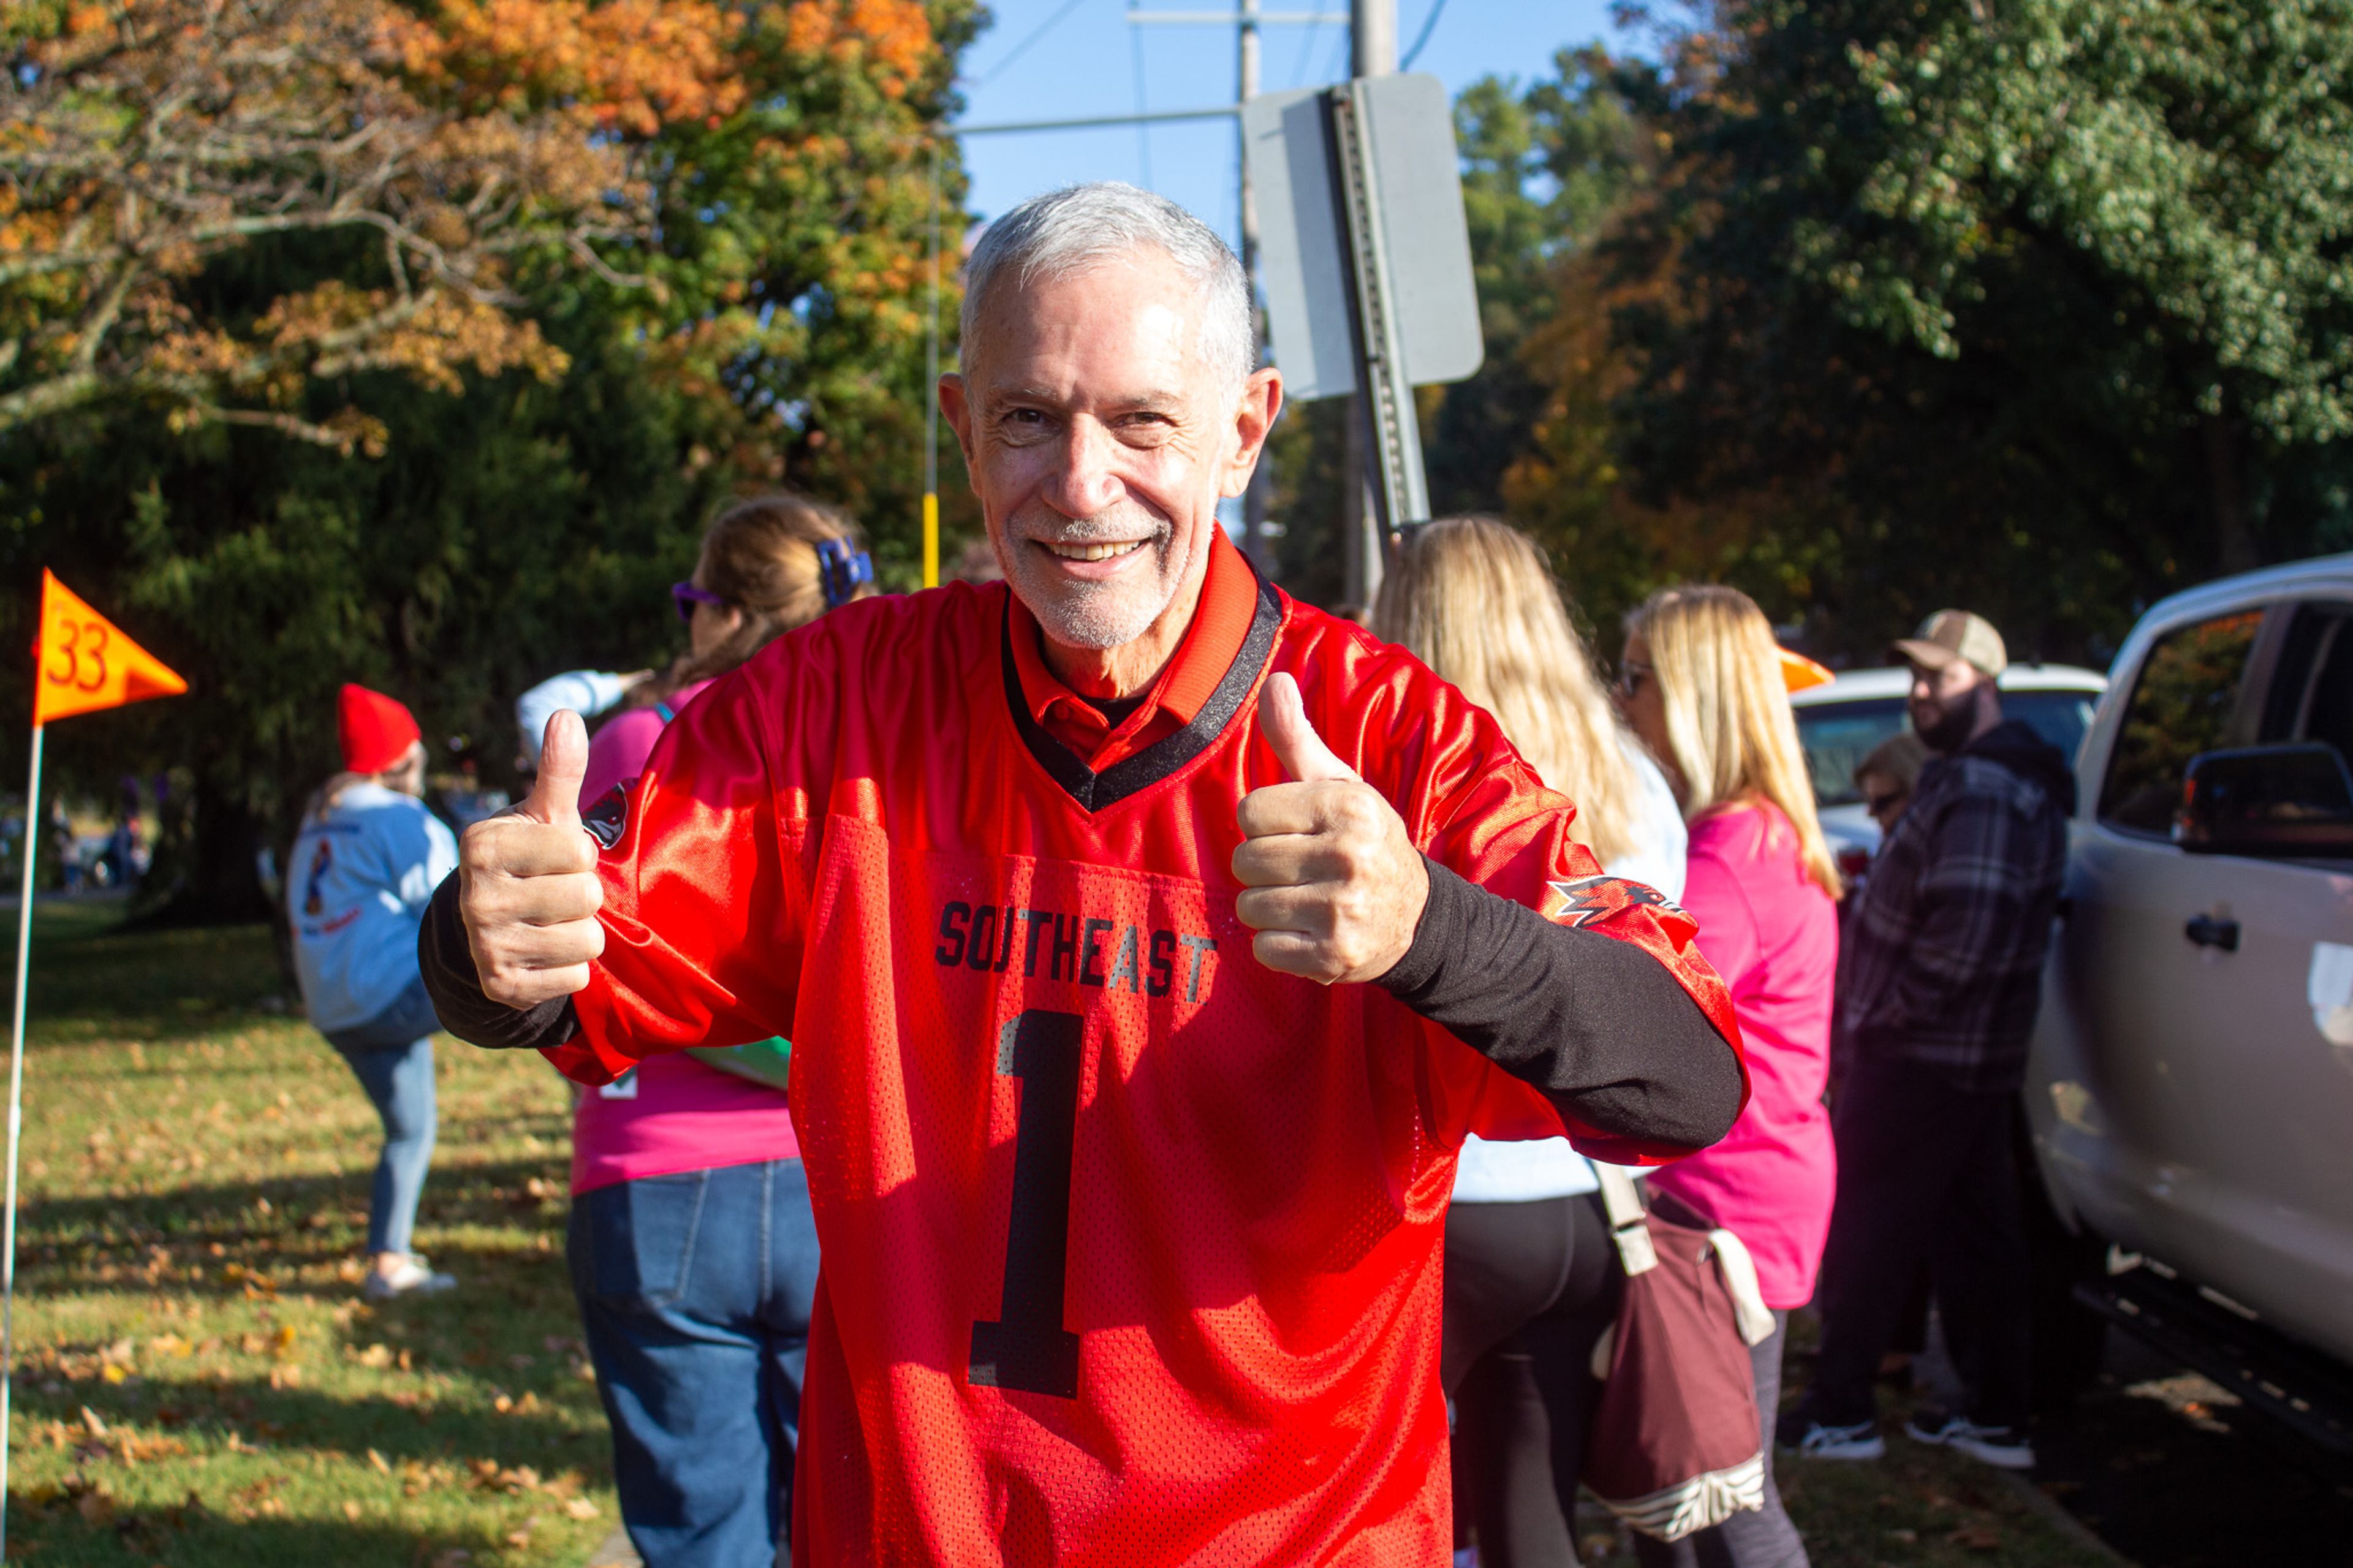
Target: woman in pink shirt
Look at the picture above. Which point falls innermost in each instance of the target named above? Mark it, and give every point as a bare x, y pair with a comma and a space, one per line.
1702, 686
691, 1247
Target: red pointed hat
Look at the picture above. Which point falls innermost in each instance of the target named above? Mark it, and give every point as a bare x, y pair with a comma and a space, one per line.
376, 731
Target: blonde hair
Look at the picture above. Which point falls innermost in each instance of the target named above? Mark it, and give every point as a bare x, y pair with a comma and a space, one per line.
1473, 598
760, 556
1729, 719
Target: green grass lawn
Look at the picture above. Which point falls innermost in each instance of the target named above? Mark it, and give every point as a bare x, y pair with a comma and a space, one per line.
199, 1385
198, 1381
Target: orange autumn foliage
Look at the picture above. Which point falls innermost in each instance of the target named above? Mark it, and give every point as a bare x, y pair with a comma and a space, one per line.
148, 138
637, 65
895, 34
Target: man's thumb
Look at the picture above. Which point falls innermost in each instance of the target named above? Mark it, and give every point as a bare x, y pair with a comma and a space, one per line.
563, 763
1297, 746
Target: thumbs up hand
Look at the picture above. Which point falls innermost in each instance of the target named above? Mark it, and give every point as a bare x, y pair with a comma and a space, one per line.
1333, 883
527, 882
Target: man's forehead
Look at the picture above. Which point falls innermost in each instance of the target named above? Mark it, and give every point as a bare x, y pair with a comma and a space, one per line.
1140, 310
1078, 391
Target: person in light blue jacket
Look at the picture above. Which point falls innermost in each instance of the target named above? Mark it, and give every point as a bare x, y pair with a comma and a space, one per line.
364, 866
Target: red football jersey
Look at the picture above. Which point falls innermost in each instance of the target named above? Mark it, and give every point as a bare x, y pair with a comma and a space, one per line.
1132, 1245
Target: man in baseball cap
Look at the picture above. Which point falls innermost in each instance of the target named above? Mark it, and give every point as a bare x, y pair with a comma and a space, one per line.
1942, 977
1956, 657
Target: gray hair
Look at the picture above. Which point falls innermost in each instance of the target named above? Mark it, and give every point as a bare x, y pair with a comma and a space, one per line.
1081, 227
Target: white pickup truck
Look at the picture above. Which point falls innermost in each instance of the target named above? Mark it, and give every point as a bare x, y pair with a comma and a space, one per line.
2192, 1085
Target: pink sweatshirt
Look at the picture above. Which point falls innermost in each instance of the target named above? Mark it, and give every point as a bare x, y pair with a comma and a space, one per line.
1772, 933
673, 1113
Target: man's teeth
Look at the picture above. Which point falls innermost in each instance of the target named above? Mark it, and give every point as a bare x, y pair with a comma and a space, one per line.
1095, 551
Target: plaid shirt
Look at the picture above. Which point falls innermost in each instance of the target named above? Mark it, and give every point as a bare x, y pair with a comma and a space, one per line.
1945, 949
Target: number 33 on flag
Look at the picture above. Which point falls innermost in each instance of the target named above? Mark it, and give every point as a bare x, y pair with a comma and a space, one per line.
84, 663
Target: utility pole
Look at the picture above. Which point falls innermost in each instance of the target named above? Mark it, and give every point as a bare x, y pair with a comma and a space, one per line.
1372, 51
1247, 18
1372, 37
1254, 499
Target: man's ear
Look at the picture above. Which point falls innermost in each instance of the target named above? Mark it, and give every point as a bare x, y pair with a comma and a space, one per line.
957, 412
1254, 416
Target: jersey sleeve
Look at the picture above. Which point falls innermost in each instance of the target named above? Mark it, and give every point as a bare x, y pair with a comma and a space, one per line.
1473, 807
703, 911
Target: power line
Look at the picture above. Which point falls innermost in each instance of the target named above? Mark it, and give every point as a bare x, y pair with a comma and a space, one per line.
1306, 49
1035, 33
1428, 26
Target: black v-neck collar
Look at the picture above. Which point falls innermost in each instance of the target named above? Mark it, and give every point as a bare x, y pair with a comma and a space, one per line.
1094, 790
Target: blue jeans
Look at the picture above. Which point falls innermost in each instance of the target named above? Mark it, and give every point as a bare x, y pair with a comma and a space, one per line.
695, 1290
392, 1054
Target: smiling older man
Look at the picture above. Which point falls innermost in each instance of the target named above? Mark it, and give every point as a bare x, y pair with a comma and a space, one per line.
1138, 1005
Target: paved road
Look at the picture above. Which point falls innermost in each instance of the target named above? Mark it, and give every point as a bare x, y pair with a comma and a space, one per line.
2173, 1472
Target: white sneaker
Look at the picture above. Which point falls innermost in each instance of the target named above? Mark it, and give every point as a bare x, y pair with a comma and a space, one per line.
2001, 1446
414, 1277
1860, 1441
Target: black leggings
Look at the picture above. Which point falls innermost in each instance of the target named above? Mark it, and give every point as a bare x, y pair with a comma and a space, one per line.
1529, 1289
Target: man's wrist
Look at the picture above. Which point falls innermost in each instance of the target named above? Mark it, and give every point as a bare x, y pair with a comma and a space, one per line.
1442, 896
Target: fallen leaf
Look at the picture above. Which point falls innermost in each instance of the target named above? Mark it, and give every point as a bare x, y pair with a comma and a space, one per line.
1975, 1538
580, 1508
352, 1510
377, 1460
91, 1424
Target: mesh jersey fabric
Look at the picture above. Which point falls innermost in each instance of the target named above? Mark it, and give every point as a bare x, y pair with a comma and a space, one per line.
1132, 1245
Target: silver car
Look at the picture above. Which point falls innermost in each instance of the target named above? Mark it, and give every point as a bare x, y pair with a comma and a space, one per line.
1840, 723
2191, 1084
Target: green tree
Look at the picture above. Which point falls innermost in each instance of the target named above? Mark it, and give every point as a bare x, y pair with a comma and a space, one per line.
2038, 304
767, 326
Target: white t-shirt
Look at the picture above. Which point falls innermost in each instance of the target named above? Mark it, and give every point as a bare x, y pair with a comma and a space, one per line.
1518, 1172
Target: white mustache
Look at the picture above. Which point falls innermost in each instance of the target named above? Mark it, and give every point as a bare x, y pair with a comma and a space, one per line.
1117, 527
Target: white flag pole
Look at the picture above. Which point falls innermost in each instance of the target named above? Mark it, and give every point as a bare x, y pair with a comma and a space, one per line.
15, 1122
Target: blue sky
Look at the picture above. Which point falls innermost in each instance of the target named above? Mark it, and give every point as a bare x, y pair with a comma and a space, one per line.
1086, 63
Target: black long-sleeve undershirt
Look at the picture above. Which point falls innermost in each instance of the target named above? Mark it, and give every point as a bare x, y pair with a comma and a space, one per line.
1597, 1023
1599, 1026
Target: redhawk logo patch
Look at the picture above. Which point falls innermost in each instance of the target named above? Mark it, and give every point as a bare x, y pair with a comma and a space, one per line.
1589, 900
610, 815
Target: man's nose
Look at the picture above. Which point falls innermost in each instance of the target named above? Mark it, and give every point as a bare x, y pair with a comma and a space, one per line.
1086, 481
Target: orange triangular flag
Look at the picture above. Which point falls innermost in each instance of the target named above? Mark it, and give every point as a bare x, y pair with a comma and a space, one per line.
85, 663
1798, 672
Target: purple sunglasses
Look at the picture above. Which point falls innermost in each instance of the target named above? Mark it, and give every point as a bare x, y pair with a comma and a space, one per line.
686, 595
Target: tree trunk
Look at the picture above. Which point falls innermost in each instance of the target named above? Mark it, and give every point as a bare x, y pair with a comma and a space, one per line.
2235, 540
208, 861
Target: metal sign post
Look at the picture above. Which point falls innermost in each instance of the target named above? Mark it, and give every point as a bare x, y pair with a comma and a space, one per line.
1365, 256
1400, 491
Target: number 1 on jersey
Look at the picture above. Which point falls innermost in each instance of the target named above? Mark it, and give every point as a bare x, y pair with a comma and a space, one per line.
1026, 1347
